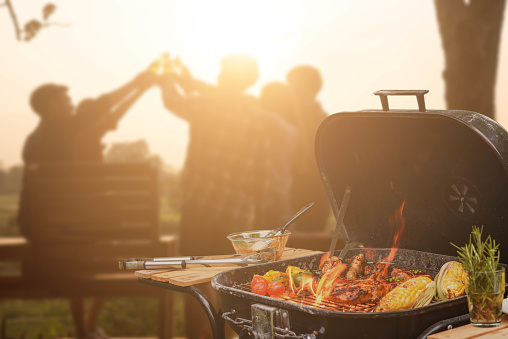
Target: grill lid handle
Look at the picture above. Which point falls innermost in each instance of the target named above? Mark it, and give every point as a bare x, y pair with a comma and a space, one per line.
383, 95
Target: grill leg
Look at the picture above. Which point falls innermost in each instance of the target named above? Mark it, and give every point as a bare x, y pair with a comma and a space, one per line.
216, 322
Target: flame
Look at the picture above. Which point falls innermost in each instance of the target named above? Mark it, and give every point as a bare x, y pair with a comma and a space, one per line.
324, 258
292, 285
326, 283
307, 284
396, 221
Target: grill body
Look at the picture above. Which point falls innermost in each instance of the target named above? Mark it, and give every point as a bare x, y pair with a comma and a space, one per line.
334, 324
447, 169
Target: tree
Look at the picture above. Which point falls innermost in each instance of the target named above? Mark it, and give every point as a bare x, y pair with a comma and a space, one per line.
31, 27
3, 180
13, 179
470, 33
132, 151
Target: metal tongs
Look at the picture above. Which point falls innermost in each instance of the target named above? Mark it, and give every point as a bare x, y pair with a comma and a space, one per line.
259, 257
340, 229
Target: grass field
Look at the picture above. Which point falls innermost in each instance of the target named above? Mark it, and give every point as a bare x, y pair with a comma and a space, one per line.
126, 317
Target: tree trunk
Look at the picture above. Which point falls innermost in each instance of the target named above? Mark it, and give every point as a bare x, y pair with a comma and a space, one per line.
470, 34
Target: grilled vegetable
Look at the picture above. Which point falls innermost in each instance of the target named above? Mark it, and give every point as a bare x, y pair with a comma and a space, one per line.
294, 270
283, 278
275, 288
256, 279
297, 278
450, 281
270, 275
259, 285
416, 292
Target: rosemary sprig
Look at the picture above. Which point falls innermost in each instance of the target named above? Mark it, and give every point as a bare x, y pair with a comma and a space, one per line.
479, 256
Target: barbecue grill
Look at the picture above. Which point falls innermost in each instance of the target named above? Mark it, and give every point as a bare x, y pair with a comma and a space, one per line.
449, 171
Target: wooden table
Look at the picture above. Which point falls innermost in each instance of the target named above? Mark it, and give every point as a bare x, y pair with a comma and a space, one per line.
197, 275
470, 331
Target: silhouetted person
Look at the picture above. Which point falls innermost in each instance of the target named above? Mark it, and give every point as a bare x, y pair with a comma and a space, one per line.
228, 164
226, 161
102, 114
305, 82
65, 136
277, 98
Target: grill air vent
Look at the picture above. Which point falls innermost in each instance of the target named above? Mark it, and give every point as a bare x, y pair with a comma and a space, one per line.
463, 198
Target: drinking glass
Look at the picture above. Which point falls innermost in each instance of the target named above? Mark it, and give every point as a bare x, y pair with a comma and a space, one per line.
485, 293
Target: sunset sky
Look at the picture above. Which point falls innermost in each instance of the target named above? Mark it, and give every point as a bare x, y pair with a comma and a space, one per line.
359, 46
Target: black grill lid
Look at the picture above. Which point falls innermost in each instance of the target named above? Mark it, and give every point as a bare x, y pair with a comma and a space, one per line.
448, 168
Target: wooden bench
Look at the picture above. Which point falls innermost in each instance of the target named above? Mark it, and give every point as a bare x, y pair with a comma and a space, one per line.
83, 218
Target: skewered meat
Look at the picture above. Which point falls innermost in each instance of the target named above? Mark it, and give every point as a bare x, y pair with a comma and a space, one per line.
378, 270
357, 266
330, 263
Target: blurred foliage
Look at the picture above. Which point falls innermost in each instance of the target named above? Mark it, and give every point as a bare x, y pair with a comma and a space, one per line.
132, 151
11, 179
50, 318
32, 27
48, 10
36, 319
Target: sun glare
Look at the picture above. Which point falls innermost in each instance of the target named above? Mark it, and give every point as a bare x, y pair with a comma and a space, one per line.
261, 29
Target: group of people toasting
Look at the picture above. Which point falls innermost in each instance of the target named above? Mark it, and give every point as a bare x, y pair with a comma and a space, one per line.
250, 161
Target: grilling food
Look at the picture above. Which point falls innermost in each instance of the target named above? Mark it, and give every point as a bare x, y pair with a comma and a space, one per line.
356, 282
450, 281
259, 285
275, 289
377, 271
330, 263
416, 292
357, 266
271, 275
359, 291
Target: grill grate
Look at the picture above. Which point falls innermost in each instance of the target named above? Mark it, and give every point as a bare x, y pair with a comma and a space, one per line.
307, 299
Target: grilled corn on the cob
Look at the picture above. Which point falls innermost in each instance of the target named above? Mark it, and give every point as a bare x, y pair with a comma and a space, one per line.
450, 281
412, 293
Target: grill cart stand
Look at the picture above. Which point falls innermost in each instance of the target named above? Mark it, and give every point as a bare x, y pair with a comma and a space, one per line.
216, 322
183, 280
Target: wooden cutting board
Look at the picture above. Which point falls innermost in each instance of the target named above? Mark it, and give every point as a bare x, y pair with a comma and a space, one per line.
197, 275
470, 332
